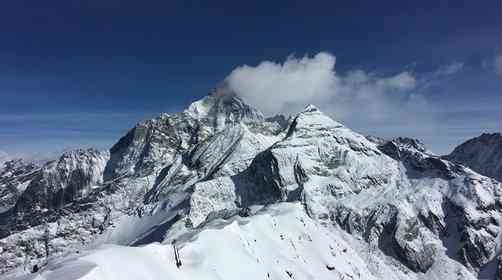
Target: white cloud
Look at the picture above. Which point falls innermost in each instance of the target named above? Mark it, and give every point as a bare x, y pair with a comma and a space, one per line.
275, 87
449, 69
440, 75
368, 98
288, 87
371, 103
497, 63
402, 81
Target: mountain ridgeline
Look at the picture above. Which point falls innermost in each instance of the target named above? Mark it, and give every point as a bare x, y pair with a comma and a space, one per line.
387, 209
482, 154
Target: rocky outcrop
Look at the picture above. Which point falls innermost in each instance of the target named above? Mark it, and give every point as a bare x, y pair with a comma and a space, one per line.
53, 212
155, 143
227, 153
419, 162
15, 175
482, 154
68, 179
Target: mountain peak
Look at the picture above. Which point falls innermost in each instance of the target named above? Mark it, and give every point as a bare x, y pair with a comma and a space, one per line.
482, 154
411, 143
311, 115
224, 105
312, 119
311, 108
490, 137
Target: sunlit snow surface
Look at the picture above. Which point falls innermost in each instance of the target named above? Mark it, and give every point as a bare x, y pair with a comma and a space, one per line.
279, 242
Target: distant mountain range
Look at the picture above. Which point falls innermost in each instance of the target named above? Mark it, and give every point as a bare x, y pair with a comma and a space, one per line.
239, 195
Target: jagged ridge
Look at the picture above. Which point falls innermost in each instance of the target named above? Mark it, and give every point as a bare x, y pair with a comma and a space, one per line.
407, 213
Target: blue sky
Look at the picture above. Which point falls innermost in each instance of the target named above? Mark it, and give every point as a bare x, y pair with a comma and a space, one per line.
81, 73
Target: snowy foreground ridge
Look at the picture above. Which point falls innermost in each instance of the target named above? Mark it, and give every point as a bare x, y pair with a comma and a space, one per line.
218, 191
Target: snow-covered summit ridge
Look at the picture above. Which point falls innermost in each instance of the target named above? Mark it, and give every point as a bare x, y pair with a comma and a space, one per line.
316, 157
311, 118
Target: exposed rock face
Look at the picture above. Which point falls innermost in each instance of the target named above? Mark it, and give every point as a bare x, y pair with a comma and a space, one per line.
155, 143
225, 154
419, 162
482, 154
461, 208
50, 187
49, 197
68, 179
148, 144
15, 175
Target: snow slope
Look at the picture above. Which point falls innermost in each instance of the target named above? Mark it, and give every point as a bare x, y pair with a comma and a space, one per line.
279, 242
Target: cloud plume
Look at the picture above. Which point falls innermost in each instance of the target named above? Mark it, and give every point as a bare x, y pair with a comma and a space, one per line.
275, 87
449, 69
287, 87
371, 103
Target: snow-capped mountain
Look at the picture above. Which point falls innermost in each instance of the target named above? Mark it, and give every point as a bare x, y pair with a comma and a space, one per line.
155, 143
218, 191
482, 154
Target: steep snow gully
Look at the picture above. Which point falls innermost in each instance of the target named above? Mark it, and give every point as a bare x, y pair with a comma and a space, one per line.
218, 191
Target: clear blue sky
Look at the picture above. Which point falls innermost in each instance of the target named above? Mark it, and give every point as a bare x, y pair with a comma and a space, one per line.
80, 73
